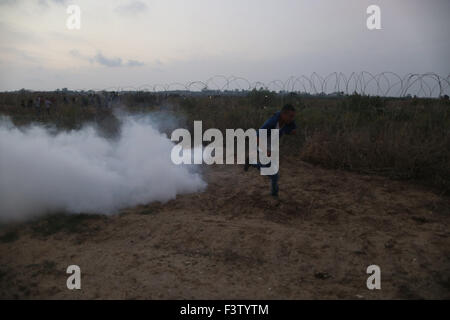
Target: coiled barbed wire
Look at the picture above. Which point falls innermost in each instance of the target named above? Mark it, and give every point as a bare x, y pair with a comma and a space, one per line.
385, 84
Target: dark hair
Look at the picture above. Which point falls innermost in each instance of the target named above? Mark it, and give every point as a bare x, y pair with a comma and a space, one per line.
288, 107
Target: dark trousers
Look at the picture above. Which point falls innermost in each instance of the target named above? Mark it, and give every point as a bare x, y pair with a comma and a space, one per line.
273, 178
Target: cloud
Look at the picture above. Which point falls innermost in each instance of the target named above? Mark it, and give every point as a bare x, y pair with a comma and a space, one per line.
101, 59
132, 8
108, 62
41, 3
134, 63
12, 34
16, 53
7, 2
46, 3
76, 54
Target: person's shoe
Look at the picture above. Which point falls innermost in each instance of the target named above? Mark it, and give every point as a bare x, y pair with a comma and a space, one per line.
274, 194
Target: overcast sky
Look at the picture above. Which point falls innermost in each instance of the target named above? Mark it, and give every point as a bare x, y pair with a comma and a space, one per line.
132, 43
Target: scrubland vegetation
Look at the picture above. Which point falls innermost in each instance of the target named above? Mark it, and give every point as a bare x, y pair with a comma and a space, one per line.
407, 138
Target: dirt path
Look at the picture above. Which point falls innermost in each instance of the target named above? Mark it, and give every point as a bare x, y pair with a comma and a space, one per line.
235, 241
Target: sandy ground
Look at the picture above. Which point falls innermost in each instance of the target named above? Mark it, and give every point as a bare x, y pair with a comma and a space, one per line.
235, 241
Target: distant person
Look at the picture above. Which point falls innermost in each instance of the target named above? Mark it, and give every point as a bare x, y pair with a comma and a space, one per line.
98, 100
48, 105
37, 104
283, 121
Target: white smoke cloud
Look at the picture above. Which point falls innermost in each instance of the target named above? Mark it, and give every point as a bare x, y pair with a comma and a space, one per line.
80, 171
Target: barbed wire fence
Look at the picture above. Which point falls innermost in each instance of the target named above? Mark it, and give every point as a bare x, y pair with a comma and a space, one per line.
384, 84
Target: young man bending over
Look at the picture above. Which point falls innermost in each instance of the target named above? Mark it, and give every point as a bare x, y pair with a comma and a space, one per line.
283, 121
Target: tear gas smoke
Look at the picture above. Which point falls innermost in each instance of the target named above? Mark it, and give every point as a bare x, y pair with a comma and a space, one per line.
81, 171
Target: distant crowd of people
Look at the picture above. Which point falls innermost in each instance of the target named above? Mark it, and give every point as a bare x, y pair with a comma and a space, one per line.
40, 103
45, 104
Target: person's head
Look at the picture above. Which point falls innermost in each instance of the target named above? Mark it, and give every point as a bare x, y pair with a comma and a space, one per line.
287, 114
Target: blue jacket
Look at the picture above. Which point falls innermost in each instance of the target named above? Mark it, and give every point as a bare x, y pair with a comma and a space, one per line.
271, 123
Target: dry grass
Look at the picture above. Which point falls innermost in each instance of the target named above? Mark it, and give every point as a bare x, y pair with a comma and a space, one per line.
399, 138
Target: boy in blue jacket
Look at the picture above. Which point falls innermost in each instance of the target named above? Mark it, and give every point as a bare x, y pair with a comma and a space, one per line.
284, 122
